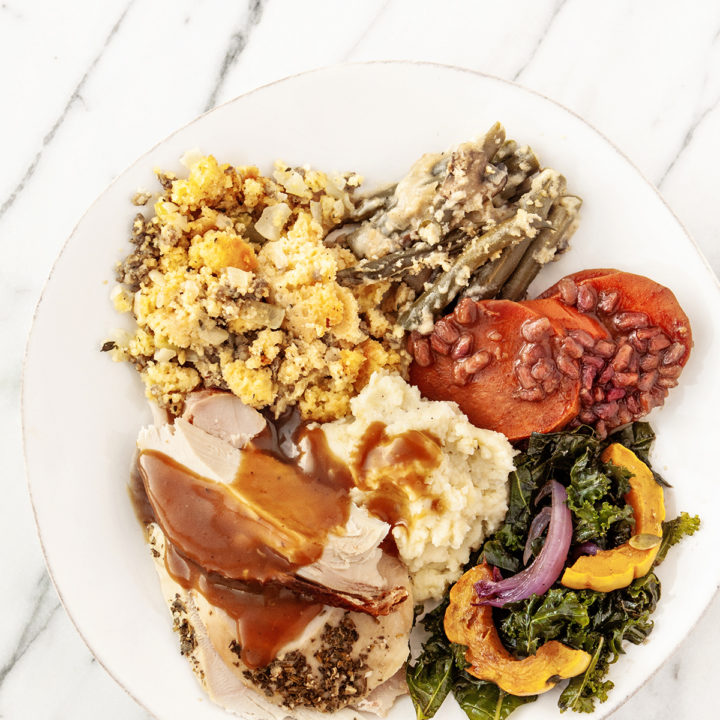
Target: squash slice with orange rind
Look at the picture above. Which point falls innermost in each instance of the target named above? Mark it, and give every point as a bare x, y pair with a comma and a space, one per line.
472, 625
613, 569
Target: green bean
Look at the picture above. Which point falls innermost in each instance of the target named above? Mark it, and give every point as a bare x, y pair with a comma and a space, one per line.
383, 199
447, 286
368, 205
471, 178
470, 161
374, 207
545, 189
523, 159
544, 247
521, 165
417, 279
395, 264
489, 279
440, 167
572, 204
493, 140
528, 218
504, 152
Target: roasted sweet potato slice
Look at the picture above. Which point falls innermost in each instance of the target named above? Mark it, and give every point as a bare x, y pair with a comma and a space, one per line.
649, 342
576, 277
504, 365
614, 341
617, 293
567, 318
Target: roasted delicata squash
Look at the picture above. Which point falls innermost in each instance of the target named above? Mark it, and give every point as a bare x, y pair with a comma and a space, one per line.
472, 625
616, 568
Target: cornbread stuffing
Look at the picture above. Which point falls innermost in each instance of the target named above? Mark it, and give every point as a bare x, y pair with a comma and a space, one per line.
233, 287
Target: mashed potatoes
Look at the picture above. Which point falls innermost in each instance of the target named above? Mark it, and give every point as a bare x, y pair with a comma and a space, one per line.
462, 497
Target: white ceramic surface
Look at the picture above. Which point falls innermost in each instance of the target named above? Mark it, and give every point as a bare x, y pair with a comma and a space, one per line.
374, 119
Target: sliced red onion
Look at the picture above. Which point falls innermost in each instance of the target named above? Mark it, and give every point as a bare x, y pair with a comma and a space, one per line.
586, 548
547, 566
537, 527
543, 492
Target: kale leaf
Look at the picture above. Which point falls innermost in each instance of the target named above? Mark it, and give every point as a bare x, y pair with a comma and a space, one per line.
561, 448
596, 498
587, 485
482, 700
544, 455
430, 678
505, 549
595, 489
529, 623
674, 531
614, 617
593, 522
638, 437
583, 690
595, 622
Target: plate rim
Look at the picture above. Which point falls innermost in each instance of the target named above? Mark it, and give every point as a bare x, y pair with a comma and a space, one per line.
312, 71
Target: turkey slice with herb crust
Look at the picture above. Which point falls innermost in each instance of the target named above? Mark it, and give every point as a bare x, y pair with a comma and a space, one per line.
341, 659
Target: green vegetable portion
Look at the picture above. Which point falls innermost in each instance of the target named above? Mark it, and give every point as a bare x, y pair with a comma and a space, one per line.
595, 490
440, 670
431, 678
674, 531
596, 622
482, 700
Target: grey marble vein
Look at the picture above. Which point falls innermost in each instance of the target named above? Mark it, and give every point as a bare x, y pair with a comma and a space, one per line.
35, 625
74, 97
687, 140
541, 38
237, 43
367, 30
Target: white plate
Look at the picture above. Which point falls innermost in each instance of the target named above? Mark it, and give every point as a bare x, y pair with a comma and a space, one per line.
81, 412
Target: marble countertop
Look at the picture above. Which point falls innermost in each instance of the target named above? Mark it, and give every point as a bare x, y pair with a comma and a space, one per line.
86, 87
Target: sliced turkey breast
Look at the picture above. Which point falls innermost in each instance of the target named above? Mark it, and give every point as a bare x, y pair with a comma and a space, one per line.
383, 697
285, 602
345, 574
342, 660
223, 415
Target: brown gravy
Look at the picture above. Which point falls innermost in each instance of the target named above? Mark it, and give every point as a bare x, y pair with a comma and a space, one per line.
209, 524
138, 496
393, 469
226, 541
272, 518
266, 618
